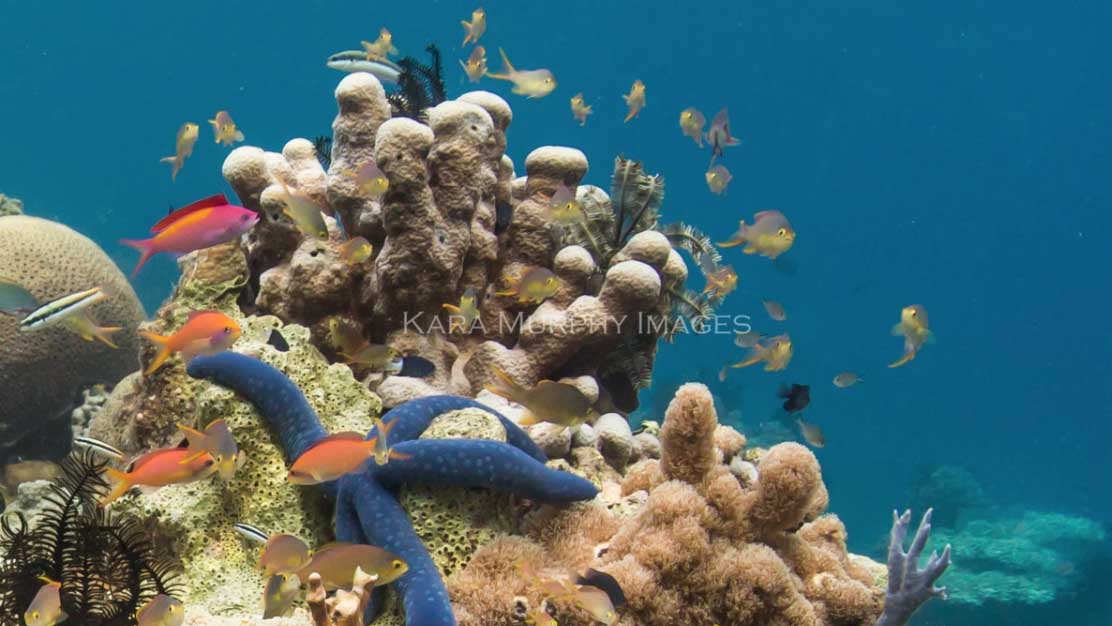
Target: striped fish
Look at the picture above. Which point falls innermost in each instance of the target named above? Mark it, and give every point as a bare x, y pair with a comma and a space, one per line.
254, 533
99, 447
384, 70
57, 311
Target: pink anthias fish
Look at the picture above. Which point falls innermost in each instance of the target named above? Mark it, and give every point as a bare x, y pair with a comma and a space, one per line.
203, 224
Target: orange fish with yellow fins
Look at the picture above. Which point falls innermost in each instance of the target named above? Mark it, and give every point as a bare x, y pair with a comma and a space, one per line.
205, 332
158, 469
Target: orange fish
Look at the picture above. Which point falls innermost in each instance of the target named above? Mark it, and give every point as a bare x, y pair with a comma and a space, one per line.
331, 458
158, 469
206, 332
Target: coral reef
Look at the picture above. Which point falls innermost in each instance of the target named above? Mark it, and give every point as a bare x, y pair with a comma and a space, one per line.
51, 260
949, 489
1025, 559
909, 586
449, 184
142, 411
701, 549
219, 567
105, 562
366, 510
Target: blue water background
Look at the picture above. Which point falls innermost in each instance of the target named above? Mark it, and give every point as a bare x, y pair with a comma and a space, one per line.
954, 154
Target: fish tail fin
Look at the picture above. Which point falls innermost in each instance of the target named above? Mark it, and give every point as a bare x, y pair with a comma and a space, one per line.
505, 387
631, 114
466, 31
756, 358
175, 163
507, 67
104, 334
146, 251
196, 441
164, 350
399, 456
528, 418
121, 484
451, 308
907, 356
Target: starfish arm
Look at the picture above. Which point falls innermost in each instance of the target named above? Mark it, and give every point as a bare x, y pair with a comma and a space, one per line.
275, 397
414, 417
386, 524
481, 463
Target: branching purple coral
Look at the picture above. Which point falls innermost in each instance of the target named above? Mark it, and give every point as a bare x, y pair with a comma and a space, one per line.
366, 510
908, 585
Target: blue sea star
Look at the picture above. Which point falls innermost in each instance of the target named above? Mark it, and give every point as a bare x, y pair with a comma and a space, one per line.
366, 509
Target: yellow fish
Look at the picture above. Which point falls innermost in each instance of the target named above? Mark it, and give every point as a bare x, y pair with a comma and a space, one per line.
635, 99
580, 109
224, 129
721, 281
216, 440
770, 235
528, 83
776, 352
381, 48
475, 28
369, 179
563, 208
336, 564
83, 325
549, 401
344, 338
356, 250
304, 212
534, 286
692, 121
462, 318
718, 177
279, 594
281, 553
161, 610
383, 453
476, 65
914, 328
183, 147
46, 607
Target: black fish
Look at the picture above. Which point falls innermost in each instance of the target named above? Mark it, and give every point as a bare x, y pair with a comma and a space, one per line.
504, 212
417, 367
796, 398
278, 341
606, 582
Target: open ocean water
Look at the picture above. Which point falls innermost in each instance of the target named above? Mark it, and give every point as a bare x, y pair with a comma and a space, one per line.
954, 154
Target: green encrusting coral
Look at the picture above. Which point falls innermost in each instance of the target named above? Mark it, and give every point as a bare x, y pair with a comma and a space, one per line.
454, 523
219, 564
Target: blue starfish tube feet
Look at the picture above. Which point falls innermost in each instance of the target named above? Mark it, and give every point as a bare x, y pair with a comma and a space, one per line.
908, 585
366, 509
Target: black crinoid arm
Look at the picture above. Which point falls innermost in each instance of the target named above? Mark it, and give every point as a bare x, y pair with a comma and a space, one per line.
909, 586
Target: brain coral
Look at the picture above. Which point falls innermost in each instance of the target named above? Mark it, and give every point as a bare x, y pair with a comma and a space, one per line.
47, 370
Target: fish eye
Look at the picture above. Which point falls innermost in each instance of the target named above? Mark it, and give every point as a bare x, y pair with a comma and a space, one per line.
782, 232
396, 564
